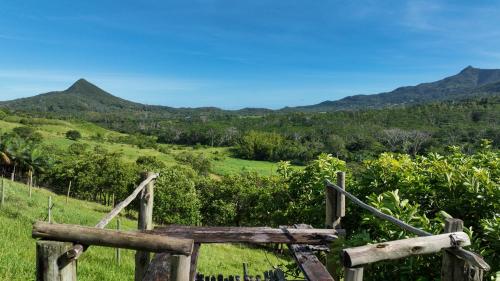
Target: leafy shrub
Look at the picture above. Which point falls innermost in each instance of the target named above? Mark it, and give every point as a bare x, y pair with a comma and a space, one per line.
73, 135
198, 162
175, 197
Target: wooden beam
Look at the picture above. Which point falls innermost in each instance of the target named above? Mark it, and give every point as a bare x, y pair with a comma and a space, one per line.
51, 263
145, 222
311, 267
403, 248
256, 235
112, 238
307, 261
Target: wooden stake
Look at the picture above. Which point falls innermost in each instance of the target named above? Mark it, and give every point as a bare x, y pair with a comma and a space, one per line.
50, 209
51, 264
453, 268
353, 274
145, 222
30, 185
69, 190
118, 255
3, 193
340, 200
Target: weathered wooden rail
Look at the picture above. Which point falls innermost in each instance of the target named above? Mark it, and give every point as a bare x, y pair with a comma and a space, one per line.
176, 248
458, 264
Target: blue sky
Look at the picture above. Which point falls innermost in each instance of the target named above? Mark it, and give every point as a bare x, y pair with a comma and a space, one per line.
235, 54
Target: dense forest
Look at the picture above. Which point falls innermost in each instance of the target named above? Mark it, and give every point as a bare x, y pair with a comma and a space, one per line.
300, 137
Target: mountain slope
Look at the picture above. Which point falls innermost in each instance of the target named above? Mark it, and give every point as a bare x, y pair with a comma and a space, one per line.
470, 81
81, 96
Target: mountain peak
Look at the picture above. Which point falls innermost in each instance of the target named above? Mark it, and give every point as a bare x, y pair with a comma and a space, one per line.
469, 68
82, 86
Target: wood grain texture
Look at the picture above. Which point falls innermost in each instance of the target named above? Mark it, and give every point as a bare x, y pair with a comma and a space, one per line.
255, 235
51, 263
145, 222
112, 238
402, 248
307, 261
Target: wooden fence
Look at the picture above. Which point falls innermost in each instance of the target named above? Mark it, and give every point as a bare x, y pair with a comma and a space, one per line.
176, 248
457, 265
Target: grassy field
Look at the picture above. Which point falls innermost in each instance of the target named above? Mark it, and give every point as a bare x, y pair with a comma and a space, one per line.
17, 254
54, 132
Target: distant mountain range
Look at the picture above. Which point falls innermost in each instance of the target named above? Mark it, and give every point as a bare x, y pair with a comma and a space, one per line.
469, 82
84, 97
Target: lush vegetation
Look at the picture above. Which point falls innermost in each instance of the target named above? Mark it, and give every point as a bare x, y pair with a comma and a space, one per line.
98, 263
420, 164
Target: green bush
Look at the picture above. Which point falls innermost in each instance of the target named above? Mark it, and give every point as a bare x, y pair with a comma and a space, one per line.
175, 198
73, 135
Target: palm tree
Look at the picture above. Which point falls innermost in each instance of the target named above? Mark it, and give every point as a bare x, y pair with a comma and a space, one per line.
35, 161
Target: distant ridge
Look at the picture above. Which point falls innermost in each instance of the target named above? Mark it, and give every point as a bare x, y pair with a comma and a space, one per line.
84, 97
469, 82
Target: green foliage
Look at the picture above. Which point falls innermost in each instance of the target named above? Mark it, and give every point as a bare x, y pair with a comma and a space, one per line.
176, 200
73, 135
201, 164
28, 134
306, 190
95, 173
150, 163
244, 200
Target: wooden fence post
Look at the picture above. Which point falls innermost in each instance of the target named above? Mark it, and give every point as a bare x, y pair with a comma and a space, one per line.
453, 268
353, 274
180, 267
49, 210
335, 210
2, 202
51, 264
69, 190
145, 222
118, 254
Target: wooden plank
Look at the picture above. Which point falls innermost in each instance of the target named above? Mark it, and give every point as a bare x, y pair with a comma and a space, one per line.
78, 249
256, 235
51, 264
403, 248
311, 267
145, 222
112, 238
